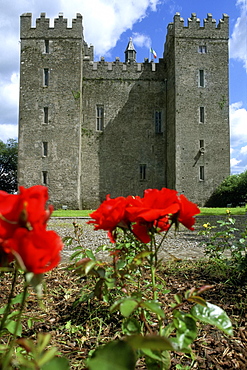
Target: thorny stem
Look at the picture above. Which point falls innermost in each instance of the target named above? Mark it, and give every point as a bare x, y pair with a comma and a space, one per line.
7, 310
163, 238
7, 358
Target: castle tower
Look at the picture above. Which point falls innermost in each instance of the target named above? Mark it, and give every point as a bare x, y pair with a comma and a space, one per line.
50, 107
198, 151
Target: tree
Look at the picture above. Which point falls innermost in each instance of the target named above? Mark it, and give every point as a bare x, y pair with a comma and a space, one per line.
233, 190
8, 165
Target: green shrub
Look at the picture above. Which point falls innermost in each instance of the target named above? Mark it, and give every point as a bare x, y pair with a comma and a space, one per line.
233, 190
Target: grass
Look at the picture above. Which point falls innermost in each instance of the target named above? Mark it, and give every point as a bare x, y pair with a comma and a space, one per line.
72, 213
222, 211
204, 212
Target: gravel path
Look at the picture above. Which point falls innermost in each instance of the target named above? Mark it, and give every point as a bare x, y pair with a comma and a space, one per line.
185, 244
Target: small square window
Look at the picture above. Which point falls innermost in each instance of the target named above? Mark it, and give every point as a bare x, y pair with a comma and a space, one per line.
202, 49
158, 122
201, 173
202, 115
99, 117
143, 168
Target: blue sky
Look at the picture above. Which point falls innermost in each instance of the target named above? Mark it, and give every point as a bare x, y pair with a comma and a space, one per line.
108, 25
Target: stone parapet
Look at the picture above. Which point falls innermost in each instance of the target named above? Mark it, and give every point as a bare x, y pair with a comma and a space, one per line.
209, 29
60, 29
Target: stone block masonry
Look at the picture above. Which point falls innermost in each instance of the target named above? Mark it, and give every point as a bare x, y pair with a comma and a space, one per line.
88, 129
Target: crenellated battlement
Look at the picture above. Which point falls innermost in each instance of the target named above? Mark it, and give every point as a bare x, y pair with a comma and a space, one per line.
210, 28
102, 67
43, 28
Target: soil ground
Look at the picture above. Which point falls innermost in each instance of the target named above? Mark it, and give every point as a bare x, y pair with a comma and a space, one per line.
77, 329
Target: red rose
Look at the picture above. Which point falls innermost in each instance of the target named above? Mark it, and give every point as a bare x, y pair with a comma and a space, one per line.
110, 214
23, 234
38, 249
154, 205
151, 211
187, 212
23, 209
158, 209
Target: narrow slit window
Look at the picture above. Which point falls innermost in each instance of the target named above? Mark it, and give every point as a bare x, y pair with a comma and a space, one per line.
47, 47
45, 114
143, 171
46, 76
202, 115
201, 78
99, 117
158, 122
44, 177
201, 143
44, 148
201, 173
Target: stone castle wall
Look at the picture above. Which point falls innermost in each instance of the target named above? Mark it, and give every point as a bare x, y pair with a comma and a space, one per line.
83, 164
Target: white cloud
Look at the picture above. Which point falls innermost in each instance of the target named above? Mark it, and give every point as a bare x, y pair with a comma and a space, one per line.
234, 162
110, 18
9, 97
141, 40
238, 41
243, 150
8, 132
238, 124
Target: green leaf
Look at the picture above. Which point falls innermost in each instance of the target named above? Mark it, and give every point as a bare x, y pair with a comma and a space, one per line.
18, 298
168, 329
214, 315
153, 342
90, 254
131, 326
153, 307
117, 355
75, 254
197, 299
121, 264
115, 305
60, 363
43, 341
142, 255
2, 310
68, 240
178, 298
186, 330
110, 283
162, 360
89, 266
10, 326
128, 306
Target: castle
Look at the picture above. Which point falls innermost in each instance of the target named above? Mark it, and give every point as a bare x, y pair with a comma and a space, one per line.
87, 128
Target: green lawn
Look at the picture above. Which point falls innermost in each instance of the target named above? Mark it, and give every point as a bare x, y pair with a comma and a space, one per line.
204, 212
222, 211
71, 213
